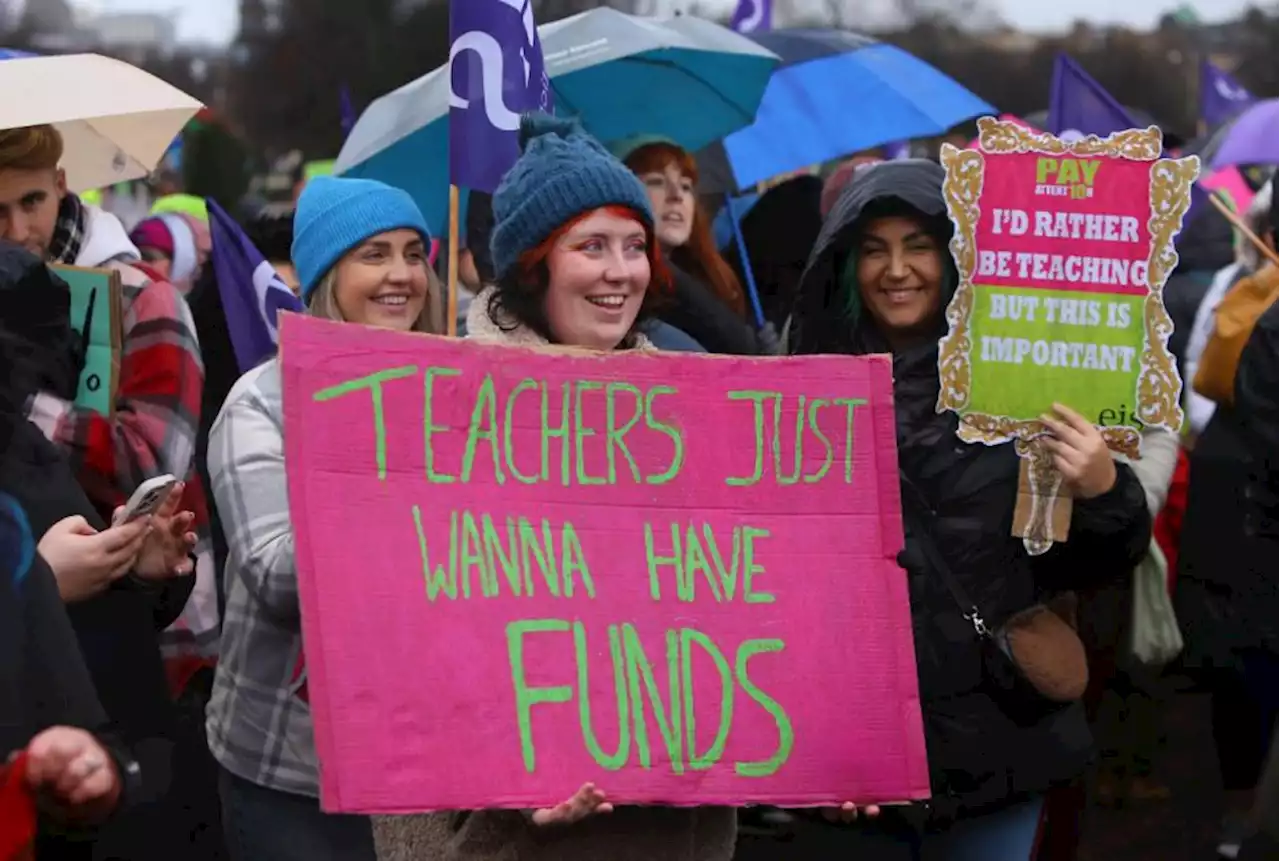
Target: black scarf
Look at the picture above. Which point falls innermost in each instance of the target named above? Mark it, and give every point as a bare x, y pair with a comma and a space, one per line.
68, 231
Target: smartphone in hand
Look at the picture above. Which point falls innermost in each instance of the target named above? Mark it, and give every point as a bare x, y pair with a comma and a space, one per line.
149, 496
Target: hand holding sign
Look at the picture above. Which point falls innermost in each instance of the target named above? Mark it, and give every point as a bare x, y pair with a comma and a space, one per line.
849, 812
587, 801
1080, 453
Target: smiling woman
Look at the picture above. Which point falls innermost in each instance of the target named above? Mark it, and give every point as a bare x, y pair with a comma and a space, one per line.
359, 248
576, 257
364, 266
574, 246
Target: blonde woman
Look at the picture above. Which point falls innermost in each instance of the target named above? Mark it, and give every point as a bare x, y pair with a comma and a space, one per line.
360, 249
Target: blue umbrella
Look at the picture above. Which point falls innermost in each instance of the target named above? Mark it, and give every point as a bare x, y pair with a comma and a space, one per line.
835, 93
683, 78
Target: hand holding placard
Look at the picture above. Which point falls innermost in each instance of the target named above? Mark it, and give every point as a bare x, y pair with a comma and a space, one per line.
1079, 453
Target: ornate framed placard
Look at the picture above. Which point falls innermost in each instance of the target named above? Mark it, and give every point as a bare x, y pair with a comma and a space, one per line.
1062, 249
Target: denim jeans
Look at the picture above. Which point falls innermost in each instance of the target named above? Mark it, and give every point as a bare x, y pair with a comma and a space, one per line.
267, 825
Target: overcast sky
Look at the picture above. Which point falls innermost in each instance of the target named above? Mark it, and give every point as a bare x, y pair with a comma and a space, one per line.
215, 20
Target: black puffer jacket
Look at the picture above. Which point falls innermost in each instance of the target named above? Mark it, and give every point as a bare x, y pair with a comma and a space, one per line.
979, 757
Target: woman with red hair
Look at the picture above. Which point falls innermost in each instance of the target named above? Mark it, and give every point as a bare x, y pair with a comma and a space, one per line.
708, 301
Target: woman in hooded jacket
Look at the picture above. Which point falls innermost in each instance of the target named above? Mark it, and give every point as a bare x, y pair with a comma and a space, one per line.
707, 301
878, 281
579, 269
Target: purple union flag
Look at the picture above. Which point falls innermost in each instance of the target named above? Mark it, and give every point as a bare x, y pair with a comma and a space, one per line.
496, 73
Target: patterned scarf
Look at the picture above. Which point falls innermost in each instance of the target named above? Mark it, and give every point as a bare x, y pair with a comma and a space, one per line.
68, 232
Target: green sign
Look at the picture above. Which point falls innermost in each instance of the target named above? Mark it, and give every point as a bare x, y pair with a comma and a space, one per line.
95, 314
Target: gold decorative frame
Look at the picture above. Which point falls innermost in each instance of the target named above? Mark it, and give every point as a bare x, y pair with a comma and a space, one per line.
1159, 387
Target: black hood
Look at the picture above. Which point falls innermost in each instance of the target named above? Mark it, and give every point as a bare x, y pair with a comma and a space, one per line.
818, 321
39, 351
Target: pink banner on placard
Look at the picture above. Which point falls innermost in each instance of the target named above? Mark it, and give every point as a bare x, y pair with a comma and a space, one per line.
1231, 184
1065, 223
531, 570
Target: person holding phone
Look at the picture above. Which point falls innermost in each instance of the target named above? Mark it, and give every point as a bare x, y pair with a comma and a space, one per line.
121, 584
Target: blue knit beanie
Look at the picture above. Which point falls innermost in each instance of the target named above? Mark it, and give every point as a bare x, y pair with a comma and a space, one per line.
562, 172
335, 214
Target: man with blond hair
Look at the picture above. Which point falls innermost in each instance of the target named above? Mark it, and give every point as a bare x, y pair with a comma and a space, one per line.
152, 430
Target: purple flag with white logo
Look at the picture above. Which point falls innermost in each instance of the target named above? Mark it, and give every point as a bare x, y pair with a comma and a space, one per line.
1079, 106
752, 15
252, 293
1221, 96
497, 74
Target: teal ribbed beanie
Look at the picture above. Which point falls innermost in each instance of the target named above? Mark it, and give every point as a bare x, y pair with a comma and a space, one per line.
562, 172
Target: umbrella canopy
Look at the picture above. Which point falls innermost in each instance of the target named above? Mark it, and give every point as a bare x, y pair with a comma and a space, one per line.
1251, 138
116, 120
836, 93
683, 78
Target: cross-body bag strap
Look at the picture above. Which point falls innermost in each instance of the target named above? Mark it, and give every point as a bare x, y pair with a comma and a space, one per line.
916, 507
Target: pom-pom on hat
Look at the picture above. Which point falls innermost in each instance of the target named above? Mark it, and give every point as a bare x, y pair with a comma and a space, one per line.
335, 214
562, 172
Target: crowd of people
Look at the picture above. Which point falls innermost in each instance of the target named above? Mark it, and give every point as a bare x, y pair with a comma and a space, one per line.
153, 673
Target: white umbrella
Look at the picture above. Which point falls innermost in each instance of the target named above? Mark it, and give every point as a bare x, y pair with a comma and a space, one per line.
116, 120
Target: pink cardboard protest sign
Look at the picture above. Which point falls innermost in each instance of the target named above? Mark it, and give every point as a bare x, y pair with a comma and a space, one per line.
673, 575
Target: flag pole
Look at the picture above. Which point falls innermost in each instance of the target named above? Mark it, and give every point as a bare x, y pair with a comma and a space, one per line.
1239, 225
451, 320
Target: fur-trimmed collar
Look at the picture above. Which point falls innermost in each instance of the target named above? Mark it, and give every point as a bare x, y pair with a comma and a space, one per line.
511, 333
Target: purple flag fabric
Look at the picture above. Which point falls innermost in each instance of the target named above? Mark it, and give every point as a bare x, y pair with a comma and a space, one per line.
1221, 96
346, 111
252, 293
497, 74
897, 150
752, 15
1079, 106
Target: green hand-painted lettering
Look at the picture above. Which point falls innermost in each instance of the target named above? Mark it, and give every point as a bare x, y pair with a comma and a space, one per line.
615, 760
786, 735
750, 568
372, 382
508, 432
850, 405
615, 435
428, 427
654, 561
571, 560
668, 718
527, 696
701, 762
815, 405
677, 454
484, 413
580, 433
758, 399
